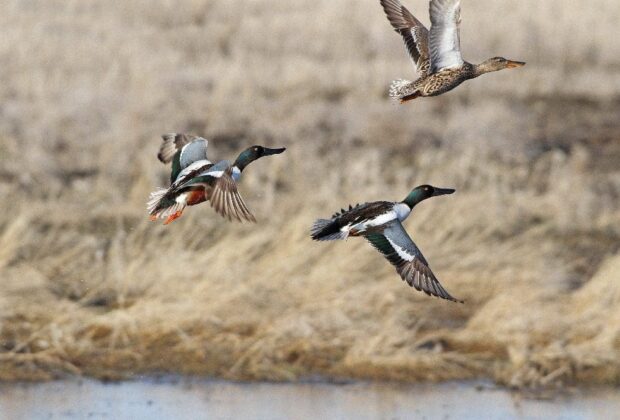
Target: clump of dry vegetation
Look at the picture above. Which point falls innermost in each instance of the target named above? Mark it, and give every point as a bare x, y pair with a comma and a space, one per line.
531, 239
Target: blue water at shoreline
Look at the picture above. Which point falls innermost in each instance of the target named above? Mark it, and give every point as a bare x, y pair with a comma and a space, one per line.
202, 399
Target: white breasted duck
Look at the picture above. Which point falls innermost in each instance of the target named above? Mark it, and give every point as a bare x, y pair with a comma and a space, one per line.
195, 179
379, 223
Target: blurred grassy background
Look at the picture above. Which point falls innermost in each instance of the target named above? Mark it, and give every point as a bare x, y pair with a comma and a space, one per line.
531, 239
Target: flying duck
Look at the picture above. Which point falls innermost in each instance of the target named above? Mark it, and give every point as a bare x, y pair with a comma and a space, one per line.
436, 54
379, 223
195, 179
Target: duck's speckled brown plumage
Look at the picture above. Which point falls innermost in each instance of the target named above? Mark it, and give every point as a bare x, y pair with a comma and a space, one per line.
437, 83
436, 53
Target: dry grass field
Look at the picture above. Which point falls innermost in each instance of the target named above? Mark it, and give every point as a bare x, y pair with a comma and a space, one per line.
531, 239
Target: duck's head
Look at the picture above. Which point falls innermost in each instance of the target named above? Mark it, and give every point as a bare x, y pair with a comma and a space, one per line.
497, 63
252, 153
423, 192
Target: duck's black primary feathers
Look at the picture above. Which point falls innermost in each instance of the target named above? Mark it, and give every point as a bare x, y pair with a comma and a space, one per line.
331, 229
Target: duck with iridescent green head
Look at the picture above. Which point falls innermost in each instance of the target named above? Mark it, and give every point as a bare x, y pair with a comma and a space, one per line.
194, 179
380, 223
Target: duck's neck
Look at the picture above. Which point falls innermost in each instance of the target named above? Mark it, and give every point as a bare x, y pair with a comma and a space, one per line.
414, 198
478, 70
485, 67
244, 159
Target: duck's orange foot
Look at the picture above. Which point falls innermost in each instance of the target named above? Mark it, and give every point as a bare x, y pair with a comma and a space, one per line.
173, 217
152, 217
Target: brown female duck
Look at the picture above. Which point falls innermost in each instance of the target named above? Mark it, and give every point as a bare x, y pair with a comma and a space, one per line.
436, 54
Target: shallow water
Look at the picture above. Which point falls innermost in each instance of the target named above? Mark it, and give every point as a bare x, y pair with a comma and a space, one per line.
186, 399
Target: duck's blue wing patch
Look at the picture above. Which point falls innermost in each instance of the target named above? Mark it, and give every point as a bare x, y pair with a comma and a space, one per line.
191, 152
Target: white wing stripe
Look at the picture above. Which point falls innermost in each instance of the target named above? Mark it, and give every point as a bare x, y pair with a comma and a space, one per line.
402, 252
382, 219
192, 167
215, 174
181, 177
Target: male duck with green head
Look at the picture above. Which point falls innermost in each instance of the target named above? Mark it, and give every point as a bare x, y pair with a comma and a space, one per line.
195, 179
379, 223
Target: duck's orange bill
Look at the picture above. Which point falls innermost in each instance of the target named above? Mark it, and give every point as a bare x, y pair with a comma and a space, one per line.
513, 64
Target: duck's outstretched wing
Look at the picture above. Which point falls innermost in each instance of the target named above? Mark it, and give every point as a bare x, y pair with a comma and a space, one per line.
444, 36
413, 32
182, 150
173, 142
398, 248
226, 200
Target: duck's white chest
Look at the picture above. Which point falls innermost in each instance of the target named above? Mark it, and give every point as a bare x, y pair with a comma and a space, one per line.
236, 173
402, 211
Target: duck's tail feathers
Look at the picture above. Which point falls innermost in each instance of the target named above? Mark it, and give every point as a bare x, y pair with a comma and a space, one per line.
159, 206
402, 90
327, 230
155, 199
